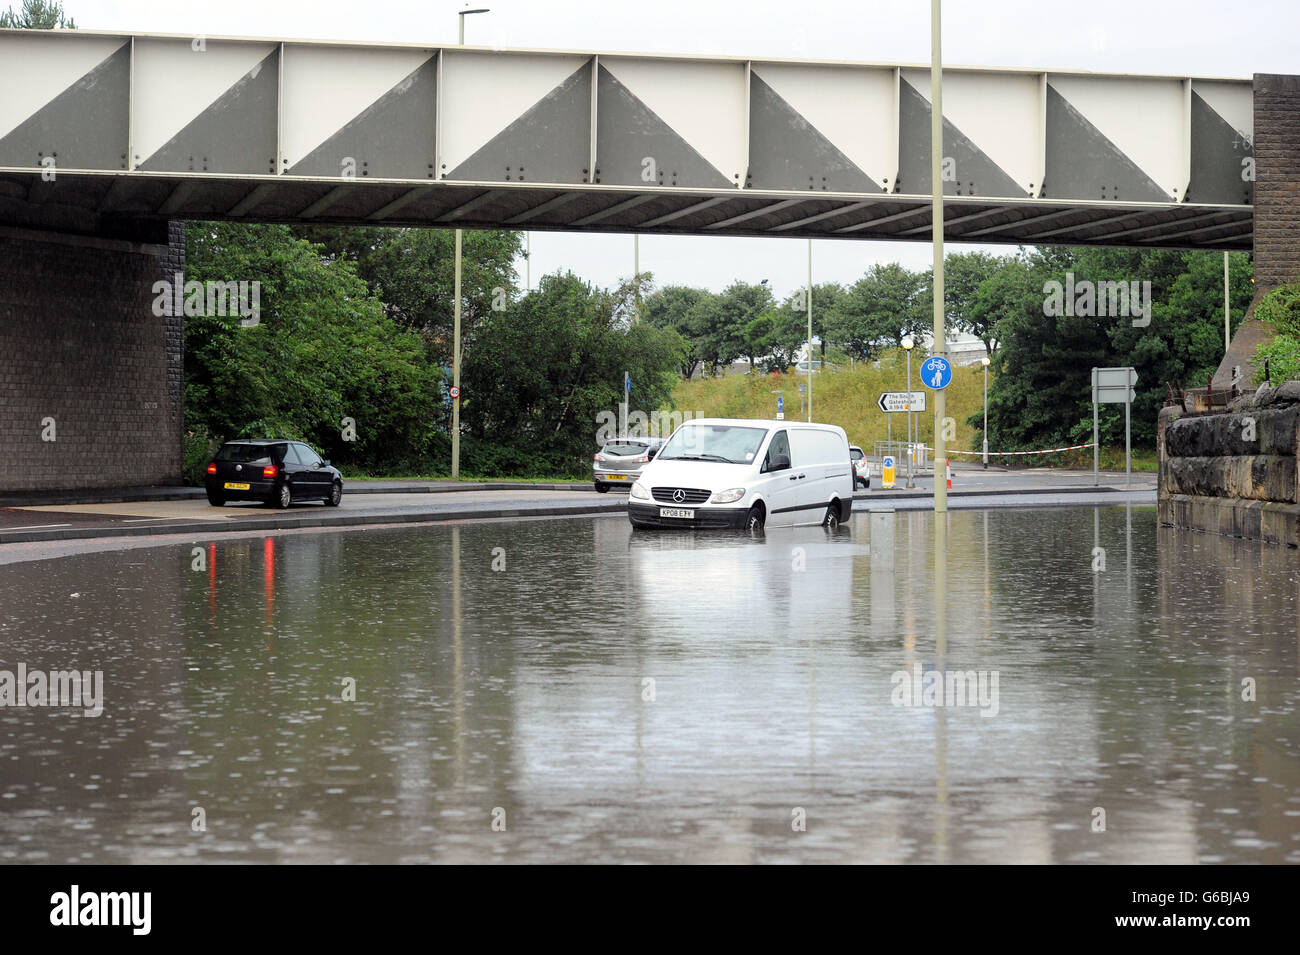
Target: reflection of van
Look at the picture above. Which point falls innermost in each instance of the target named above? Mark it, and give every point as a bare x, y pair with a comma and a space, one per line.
736, 472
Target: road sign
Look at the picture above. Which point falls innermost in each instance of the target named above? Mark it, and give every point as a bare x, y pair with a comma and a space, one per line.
454, 391
780, 404
936, 373
1113, 386
887, 471
627, 384
892, 401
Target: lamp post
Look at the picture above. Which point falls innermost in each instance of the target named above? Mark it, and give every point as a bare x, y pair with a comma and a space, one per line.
455, 348
810, 329
985, 362
908, 344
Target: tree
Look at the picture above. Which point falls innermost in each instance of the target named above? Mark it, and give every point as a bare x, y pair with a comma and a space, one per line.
413, 272
37, 15
563, 350
738, 307
878, 310
323, 350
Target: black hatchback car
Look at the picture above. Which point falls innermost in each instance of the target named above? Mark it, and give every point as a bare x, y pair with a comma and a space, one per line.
276, 472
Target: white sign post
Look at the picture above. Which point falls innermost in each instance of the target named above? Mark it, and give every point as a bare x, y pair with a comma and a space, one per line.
1111, 386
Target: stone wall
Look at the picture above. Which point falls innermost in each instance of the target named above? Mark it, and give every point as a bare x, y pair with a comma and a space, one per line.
90, 379
1237, 472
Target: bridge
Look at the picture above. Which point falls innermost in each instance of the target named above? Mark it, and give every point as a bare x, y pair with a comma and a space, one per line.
108, 141
131, 127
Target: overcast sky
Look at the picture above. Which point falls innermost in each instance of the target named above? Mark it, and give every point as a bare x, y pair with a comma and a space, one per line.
1187, 37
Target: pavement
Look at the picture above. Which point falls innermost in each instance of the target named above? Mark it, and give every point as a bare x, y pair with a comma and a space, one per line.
145, 512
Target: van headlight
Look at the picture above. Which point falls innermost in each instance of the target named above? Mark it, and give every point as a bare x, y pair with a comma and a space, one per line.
729, 496
639, 492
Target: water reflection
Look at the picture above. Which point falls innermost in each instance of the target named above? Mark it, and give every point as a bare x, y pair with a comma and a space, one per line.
658, 697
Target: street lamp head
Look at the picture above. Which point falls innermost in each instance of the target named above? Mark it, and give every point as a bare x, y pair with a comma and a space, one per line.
985, 361
465, 13
908, 342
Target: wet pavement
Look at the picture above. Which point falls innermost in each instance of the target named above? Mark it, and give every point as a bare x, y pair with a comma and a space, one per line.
150, 512
567, 690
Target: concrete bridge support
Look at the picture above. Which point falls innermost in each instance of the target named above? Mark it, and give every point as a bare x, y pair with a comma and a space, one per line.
91, 381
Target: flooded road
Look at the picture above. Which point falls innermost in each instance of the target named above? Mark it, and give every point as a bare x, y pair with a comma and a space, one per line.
1061, 685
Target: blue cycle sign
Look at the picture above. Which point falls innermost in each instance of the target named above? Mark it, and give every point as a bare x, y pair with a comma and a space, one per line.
936, 372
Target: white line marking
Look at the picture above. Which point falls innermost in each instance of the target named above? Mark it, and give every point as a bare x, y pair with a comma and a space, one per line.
36, 527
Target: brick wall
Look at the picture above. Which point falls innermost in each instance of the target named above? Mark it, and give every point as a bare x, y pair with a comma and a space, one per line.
1277, 180
79, 343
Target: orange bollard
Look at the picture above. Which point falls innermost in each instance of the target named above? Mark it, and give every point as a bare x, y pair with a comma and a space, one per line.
948, 465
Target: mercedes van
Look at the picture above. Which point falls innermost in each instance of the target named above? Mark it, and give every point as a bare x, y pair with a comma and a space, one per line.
737, 472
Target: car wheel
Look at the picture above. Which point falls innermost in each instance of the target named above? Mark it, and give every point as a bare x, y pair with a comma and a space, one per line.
283, 497
755, 519
216, 500
832, 519
601, 488
336, 494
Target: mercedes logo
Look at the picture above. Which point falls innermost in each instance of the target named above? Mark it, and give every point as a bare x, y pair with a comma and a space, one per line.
679, 495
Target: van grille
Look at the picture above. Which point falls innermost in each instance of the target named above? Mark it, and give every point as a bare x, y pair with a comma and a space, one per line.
693, 495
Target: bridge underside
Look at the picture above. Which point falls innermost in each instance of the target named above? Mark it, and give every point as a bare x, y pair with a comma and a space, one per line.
135, 206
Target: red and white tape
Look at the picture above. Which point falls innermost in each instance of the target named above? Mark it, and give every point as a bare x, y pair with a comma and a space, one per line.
1073, 447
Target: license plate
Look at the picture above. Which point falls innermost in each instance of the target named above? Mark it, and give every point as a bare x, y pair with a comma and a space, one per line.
676, 512
615, 477
232, 486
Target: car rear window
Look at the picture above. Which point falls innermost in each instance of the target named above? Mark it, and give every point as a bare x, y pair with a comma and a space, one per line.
247, 453
626, 448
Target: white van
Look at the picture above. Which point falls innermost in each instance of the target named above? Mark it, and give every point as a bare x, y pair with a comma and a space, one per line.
737, 472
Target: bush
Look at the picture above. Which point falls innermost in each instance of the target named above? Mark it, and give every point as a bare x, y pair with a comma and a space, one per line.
199, 448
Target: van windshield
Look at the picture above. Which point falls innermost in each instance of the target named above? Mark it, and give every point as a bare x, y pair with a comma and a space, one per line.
729, 444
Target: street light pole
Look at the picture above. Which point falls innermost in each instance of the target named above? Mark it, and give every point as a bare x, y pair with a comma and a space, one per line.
936, 227
908, 343
810, 329
455, 348
985, 362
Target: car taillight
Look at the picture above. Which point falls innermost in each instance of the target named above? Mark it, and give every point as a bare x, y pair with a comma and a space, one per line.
270, 471
595, 457
643, 460
212, 468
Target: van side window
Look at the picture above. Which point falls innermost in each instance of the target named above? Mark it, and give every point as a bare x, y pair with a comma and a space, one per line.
780, 445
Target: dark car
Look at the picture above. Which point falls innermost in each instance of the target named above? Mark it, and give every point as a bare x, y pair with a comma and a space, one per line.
276, 472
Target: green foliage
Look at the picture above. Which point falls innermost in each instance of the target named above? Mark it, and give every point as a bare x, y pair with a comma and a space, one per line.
545, 368
324, 350
1283, 355
37, 15
198, 447
879, 310
1281, 309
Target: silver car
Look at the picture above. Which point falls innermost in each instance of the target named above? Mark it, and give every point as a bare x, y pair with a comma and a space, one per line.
619, 463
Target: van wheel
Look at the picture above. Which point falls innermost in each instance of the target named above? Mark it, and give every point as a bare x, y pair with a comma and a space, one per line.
755, 519
832, 519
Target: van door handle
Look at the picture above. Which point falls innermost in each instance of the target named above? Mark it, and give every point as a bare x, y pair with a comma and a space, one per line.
794, 477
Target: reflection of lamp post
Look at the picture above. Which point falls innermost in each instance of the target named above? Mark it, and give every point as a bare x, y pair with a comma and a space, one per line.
908, 343
985, 362
455, 352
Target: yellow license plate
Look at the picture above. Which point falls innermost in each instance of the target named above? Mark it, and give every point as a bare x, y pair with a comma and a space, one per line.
615, 477
231, 486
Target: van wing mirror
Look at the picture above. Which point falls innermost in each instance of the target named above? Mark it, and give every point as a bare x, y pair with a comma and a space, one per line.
779, 462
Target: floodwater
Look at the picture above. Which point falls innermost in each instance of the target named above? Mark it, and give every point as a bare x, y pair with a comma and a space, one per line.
568, 691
